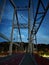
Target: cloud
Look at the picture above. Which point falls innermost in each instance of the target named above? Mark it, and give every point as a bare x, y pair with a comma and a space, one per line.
22, 36
16, 34
42, 38
23, 17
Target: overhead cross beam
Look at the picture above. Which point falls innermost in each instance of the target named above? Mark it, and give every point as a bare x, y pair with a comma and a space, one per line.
22, 25
25, 8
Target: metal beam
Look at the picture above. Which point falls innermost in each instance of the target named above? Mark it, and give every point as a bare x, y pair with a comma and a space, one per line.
35, 16
11, 44
16, 44
13, 4
29, 28
4, 37
2, 10
25, 8
42, 18
41, 12
15, 8
43, 5
18, 26
22, 26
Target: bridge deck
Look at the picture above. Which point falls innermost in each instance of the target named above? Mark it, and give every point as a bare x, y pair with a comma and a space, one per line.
28, 60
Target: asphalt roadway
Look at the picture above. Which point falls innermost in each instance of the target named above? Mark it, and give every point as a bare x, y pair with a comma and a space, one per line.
28, 60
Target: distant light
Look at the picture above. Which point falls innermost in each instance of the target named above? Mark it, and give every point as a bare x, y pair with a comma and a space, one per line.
47, 56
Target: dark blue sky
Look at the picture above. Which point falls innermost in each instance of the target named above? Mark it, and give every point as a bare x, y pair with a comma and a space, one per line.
6, 23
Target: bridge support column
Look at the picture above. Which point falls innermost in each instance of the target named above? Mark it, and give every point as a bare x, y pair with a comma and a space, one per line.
10, 47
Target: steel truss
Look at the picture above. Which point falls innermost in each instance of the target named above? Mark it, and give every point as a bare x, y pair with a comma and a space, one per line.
36, 25
18, 26
2, 9
22, 25
38, 20
4, 37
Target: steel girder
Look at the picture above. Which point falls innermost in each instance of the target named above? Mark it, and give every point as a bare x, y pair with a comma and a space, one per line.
36, 24
15, 8
18, 26
38, 21
42, 18
18, 8
2, 9
4, 37
22, 26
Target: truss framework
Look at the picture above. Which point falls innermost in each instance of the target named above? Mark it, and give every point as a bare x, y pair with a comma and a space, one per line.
2, 9
36, 24
38, 20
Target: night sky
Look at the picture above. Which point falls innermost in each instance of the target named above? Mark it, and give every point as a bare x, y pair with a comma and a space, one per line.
6, 22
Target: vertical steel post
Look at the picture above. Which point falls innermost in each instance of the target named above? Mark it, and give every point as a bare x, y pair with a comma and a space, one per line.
10, 47
36, 42
29, 29
2, 10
